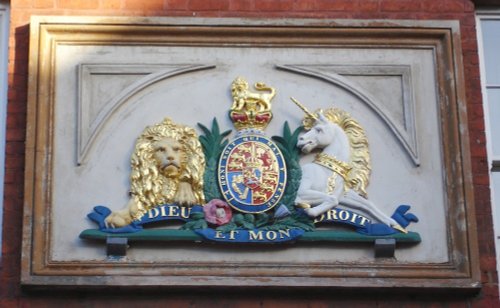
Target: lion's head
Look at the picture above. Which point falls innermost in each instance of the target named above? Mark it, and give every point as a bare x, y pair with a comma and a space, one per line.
239, 87
167, 167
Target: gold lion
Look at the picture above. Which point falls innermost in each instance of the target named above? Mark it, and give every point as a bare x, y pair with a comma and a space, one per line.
167, 167
244, 99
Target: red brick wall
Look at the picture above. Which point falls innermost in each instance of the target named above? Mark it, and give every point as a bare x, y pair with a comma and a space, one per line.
21, 10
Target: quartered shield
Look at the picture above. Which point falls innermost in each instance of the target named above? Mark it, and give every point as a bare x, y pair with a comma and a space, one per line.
252, 174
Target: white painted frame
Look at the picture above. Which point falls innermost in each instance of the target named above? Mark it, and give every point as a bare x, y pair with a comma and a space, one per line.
4, 48
492, 14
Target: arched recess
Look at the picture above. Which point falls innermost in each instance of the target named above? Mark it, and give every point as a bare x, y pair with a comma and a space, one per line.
406, 134
91, 123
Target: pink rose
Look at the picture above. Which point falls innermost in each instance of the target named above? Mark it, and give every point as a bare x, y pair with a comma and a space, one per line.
217, 212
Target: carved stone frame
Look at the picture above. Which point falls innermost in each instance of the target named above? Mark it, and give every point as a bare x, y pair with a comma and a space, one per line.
461, 272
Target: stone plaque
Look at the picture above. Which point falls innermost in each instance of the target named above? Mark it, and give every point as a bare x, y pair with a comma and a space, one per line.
98, 83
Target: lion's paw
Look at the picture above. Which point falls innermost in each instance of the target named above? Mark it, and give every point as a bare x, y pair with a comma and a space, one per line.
118, 220
185, 194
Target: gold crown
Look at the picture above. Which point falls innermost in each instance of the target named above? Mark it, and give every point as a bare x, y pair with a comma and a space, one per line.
251, 109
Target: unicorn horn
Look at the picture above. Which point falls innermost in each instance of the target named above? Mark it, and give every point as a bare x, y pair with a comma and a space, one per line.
303, 108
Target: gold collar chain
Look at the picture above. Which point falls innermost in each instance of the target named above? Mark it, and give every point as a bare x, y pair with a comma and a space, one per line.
332, 163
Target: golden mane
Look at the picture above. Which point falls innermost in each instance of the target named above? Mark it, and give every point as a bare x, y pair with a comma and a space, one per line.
149, 187
359, 175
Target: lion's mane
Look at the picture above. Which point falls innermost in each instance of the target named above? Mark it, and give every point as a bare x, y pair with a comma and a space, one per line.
149, 187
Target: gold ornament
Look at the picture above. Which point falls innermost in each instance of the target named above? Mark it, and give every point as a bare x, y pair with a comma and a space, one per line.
337, 166
167, 167
250, 109
303, 108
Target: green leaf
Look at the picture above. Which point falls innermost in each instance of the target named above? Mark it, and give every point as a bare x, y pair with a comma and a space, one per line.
295, 135
279, 140
204, 129
238, 218
249, 218
286, 131
227, 132
223, 145
261, 220
215, 127
248, 225
205, 145
284, 150
197, 215
195, 224
293, 142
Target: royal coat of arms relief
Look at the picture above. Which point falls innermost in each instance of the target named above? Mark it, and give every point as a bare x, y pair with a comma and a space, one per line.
338, 159
242, 186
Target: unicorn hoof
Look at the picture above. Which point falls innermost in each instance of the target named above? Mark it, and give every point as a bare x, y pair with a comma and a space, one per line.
303, 205
311, 212
399, 228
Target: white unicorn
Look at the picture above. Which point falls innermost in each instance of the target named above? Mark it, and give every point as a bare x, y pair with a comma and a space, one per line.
339, 174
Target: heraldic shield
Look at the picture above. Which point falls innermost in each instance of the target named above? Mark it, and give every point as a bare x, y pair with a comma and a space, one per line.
253, 188
252, 174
